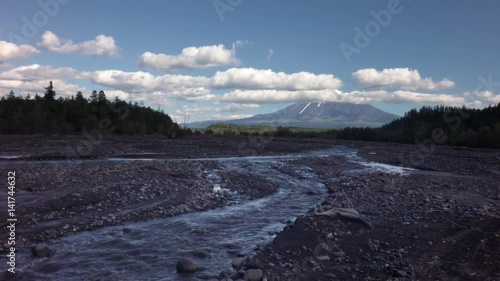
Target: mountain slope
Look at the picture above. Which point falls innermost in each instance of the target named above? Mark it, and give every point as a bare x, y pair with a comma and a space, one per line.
317, 115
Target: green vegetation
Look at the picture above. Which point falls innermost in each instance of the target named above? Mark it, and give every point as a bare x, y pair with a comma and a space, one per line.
76, 115
231, 129
458, 126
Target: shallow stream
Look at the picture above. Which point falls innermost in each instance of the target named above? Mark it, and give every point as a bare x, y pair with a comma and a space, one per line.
149, 250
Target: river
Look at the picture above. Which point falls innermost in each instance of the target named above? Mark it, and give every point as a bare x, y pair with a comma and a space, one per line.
149, 250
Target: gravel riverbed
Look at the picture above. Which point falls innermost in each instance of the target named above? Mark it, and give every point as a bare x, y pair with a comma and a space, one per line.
440, 221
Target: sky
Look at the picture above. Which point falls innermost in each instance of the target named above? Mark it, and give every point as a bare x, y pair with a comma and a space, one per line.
226, 59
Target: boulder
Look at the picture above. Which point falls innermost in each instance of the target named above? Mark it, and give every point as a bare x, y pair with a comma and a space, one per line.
344, 213
237, 262
253, 275
185, 265
41, 251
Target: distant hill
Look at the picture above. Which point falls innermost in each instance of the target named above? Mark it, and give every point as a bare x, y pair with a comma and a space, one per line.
320, 115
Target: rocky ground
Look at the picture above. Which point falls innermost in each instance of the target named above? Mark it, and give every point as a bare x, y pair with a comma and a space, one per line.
440, 222
62, 191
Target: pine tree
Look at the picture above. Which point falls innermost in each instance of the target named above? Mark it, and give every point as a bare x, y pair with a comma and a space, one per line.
50, 94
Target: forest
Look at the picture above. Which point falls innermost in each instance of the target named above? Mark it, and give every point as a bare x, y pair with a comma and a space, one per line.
458, 126
75, 115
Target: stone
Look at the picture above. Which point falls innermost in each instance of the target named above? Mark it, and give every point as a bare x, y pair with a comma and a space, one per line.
323, 258
345, 213
41, 251
237, 262
185, 265
339, 254
401, 273
253, 275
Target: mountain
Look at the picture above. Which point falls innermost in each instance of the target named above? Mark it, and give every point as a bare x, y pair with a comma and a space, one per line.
322, 115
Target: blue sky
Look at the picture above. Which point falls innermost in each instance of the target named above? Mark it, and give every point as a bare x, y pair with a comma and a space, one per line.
244, 57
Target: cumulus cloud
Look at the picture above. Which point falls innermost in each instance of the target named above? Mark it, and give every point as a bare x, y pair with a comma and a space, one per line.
196, 112
234, 107
275, 96
425, 98
140, 81
251, 87
229, 116
191, 58
101, 45
239, 89
407, 79
37, 86
110, 95
250, 78
197, 88
10, 51
483, 98
38, 72
33, 78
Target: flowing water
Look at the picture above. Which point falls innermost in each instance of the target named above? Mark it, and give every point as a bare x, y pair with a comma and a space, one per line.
149, 250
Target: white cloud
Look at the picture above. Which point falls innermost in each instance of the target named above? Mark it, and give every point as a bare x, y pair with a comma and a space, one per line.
234, 107
270, 53
10, 51
278, 96
247, 89
191, 58
197, 88
37, 86
407, 79
475, 104
33, 78
251, 78
483, 98
38, 72
138, 82
240, 44
196, 112
253, 86
101, 45
425, 98
229, 116
110, 95
275, 96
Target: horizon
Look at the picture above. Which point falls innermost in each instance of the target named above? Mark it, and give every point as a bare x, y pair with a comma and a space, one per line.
220, 60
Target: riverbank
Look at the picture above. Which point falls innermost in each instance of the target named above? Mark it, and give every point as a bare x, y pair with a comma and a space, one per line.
66, 185
440, 222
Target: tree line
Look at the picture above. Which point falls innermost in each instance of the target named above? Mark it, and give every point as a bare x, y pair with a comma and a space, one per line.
77, 114
47, 115
458, 126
